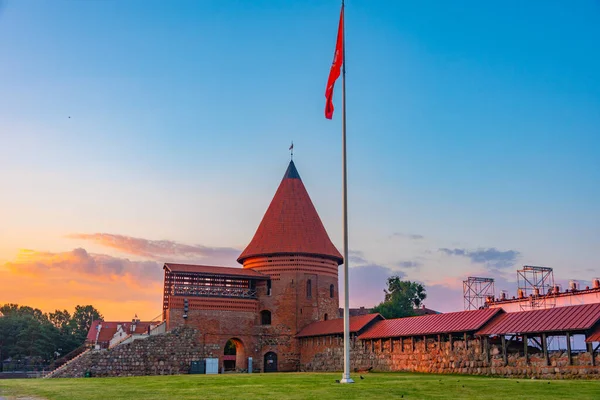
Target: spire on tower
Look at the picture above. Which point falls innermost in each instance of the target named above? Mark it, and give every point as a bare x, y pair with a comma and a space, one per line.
291, 224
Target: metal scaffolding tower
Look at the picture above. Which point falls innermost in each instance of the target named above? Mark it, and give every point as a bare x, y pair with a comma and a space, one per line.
536, 284
476, 290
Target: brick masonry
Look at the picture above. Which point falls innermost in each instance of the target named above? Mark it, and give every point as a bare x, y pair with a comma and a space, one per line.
167, 354
291, 306
326, 354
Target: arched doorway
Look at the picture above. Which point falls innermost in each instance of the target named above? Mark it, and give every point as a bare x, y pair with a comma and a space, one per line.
270, 362
234, 355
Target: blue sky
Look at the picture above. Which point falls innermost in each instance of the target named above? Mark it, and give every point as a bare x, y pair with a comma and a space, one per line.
475, 125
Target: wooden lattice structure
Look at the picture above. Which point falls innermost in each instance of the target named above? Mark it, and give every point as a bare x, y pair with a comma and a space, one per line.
193, 281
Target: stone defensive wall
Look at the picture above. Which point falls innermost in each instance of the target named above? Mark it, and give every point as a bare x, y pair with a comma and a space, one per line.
326, 353
480, 342
167, 354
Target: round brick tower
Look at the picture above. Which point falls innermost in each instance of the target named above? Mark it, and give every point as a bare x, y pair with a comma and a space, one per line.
293, 248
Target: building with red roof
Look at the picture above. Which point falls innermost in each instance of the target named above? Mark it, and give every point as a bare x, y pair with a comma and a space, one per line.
281, 310
105, 334
288, 280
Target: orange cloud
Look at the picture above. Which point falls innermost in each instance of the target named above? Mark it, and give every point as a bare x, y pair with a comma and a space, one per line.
99, 266
163, 250
118, 287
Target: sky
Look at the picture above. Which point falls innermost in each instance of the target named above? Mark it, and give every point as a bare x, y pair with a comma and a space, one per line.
134, 133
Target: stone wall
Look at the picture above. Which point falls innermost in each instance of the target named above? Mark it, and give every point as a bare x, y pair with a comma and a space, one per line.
167, 354
326, 354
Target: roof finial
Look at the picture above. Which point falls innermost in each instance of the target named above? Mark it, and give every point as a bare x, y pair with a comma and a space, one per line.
292, 151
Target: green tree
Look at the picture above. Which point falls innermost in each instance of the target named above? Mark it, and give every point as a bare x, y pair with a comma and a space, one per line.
230, 348
401, 298
82, 321
23, 335
15, 309
60, 319
66, 341
9, 308
28, 332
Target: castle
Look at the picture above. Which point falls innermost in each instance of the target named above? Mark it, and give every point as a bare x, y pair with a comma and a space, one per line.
289, 279
280, 313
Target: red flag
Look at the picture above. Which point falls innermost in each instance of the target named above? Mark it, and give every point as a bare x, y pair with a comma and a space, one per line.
334, 73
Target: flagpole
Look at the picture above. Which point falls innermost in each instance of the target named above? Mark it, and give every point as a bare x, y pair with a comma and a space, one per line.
346, 376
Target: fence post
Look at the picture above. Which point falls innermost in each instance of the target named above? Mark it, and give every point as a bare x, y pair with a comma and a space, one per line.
504, 355
569, 348
525, 349
545, 348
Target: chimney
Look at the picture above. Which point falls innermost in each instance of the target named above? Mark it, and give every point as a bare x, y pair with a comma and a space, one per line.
134, 322
520, 293
98, 332
556, 289
503, 295
596, 283
536, 291
573, 285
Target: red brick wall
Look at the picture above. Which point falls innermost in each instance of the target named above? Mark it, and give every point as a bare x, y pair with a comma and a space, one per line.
288, 303
216, 327
221, 319
291, 309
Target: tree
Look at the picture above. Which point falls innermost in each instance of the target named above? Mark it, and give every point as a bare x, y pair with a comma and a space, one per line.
82, 321
60, 319
15, 309
27, 332
9, 308
401, 298
66, 341
23, 335
230, 348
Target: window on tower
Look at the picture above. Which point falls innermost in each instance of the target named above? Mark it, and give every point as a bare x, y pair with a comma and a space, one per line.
265, 317
309, 288
331, 290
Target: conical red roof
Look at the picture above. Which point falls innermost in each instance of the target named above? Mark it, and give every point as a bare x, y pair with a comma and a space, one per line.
291, 224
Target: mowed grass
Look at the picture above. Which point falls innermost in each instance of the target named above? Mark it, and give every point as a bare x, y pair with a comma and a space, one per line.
319, 386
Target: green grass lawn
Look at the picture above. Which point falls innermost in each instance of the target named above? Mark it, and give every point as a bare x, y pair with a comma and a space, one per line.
301, 386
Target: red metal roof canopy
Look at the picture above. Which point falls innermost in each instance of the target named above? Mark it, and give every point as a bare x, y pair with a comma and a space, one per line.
594, 336
211, 270
462, 321
336, 326
291, 224
559, 319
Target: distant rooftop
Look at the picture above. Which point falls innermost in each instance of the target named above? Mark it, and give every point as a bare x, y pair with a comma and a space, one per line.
336, 326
